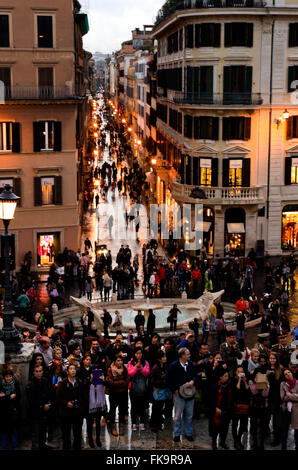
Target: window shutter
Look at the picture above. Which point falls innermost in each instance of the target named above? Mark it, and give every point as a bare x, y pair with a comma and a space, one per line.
57, 136
182, 168
17, 189
291, 76
197, 126
228, 35
188, 170
217, 28
288, 167
226, 129
225, 172
248, 79
197, 35
227, 79
215, 122
16, 137
189, 36
249, 34
290, 121
246, 172
292, 34
37, 136
196, 171
214, 172
188, 125
37, 191
58, 190
246, 129
4, 31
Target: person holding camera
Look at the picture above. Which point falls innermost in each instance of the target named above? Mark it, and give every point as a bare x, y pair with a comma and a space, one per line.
240, 399
70, 403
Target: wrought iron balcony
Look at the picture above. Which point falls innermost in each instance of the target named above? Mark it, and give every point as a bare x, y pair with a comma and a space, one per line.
216, 99
43, 92
166, 11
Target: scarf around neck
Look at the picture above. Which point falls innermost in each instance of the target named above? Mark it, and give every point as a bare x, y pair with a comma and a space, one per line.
115, 371
291, 384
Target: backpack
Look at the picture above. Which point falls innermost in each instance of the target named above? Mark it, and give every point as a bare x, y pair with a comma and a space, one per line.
139, 385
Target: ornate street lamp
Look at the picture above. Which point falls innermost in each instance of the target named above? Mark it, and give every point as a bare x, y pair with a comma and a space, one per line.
9, 334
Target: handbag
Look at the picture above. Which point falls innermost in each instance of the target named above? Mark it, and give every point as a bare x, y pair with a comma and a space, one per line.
162, 394
241, 409
169, 319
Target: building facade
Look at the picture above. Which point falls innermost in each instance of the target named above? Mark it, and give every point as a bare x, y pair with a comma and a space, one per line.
42, 122
226, 120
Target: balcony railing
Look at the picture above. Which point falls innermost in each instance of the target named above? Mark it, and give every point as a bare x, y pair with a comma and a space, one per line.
166, 11
43, 92
184, 193
217, 98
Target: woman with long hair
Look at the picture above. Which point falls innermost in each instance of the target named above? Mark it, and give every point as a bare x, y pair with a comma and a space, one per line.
240, 400
160, 391
117, 382
37, 359
138, 370
274, 375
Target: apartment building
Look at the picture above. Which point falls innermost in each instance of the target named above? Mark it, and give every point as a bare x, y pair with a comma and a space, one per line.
227, 119
42, 123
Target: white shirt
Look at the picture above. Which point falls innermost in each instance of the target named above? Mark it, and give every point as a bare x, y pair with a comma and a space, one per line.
184, 365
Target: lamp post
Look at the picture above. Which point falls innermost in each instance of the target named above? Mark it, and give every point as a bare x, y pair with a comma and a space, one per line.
9, 334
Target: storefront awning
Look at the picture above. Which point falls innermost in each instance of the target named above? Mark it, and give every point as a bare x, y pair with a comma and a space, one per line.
205, 228
236, 227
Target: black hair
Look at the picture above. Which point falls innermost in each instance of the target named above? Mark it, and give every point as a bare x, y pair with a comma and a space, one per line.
134, 360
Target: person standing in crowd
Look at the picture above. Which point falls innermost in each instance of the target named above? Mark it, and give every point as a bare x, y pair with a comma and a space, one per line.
221, 409
117, 381
10, 396
180, 379
161, 392
70, 408
138, 370
150, 323
289, 404
107, 321
240, 407
38, 396
139, 320
173, 314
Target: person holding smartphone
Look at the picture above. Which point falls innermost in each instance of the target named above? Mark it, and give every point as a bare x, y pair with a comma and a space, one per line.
240, 400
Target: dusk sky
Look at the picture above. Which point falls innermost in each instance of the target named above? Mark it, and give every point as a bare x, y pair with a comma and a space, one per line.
111, 21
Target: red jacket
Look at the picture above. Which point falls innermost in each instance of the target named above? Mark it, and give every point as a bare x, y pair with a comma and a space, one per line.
240, 306
196, 274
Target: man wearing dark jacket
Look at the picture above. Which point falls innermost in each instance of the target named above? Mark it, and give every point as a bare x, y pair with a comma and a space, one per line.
70, 407
38, 397
139, 320
179, 373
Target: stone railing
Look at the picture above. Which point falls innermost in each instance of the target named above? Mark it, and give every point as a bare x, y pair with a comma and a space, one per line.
187, 193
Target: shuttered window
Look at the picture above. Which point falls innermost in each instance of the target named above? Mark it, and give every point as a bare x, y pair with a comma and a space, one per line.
237, 84
188, 126
189, 36
45, 31
292, 76
10, 137
47, 190
207, 35
199, 84
238, 34
236, 128
291, 170
292, 127
206, 127
4, 31
47, 136
293, 35
236, 172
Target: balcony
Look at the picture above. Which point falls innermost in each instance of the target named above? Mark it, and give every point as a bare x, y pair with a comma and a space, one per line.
43, 92
166, 11
217, 99
222, 196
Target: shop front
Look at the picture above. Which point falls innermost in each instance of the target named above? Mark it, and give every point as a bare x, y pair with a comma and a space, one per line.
235, 231
208, 230
289, 234
48, 247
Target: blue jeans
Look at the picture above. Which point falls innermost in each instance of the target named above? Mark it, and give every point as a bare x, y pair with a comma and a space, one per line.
14, 440
183, 408
240, 334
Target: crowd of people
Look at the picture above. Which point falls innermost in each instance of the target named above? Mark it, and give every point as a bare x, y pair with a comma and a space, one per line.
155, 380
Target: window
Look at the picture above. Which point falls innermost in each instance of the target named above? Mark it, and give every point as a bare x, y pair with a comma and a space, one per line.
173, 43
291, 170
237, 84
235, 173
207, 35
189, 36
4, 31
199, 84
236, 128
47, 190
293, 35
206, 127
205, 172
162, 112
46, 82
170, 79
292, 76
5, 78
9, 137
188, 126
238, 34
175, 120
45, 31
292, 127
47, 136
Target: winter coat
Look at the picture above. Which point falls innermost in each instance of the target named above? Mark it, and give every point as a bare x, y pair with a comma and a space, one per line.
293, 399
117, 384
